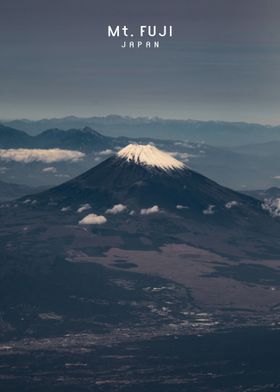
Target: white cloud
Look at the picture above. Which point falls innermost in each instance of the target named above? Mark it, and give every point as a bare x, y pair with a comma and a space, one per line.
84, 207
272, 206
209, 210
116, 209
180, 207
27, 155
231, 204
276, 177
49, 169
93, 219
151, 210
106, 152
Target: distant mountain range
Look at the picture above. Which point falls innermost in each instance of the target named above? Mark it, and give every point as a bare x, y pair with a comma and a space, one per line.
240, 167
217, 133
261, 194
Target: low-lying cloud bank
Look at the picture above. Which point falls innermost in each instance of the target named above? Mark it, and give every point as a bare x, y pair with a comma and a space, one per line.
27, 155
93, 219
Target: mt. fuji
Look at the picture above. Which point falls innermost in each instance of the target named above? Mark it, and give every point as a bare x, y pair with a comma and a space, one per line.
140, 176
142, 187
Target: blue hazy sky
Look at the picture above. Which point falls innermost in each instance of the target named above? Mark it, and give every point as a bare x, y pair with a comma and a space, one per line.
222, 63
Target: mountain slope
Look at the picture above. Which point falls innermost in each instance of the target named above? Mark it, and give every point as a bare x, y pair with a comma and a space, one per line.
9, 191
13, 138
138, 184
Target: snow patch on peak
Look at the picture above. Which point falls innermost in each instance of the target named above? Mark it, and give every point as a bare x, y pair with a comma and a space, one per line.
151, 156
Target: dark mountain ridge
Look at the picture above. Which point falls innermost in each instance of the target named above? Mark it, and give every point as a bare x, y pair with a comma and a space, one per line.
85, 139
234, 169
13, 138
218, 133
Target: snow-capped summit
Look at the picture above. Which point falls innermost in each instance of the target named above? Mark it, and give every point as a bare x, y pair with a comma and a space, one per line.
149, 155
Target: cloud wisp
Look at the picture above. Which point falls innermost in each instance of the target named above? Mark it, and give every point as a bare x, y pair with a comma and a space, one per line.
148, 211
106, 152
210, 210
116, 209
84, 207
231, 204
65, 209
181, 207
49, 169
